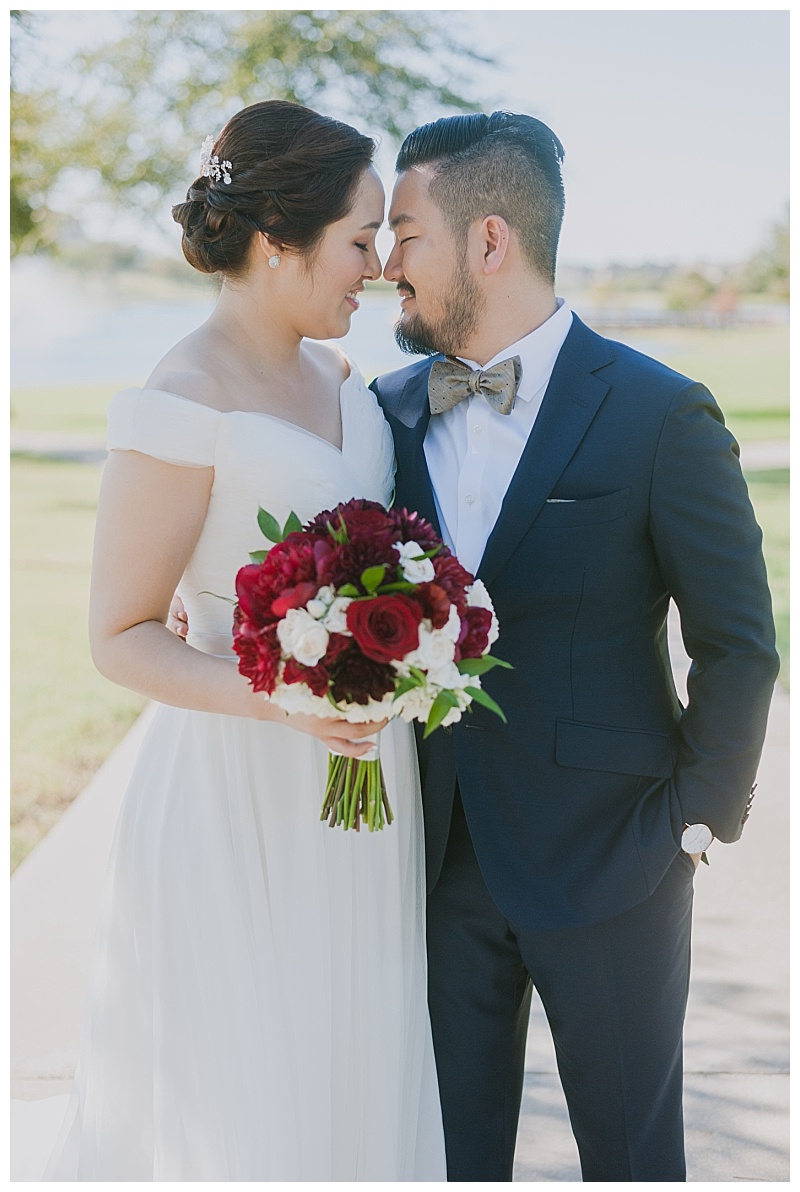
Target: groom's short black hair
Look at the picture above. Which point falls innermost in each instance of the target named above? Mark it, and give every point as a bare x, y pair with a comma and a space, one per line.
504, 164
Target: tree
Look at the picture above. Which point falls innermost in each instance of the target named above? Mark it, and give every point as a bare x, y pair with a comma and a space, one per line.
686, 290
767, 271
134, 112
36, 157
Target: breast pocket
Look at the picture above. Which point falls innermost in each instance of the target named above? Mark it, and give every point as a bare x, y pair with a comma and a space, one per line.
584, 511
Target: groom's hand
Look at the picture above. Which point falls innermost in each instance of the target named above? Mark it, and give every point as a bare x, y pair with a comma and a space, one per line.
177, 620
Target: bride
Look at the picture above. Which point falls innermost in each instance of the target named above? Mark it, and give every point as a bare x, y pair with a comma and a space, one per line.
257, 1006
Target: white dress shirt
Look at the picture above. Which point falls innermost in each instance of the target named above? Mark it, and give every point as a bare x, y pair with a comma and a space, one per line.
472, 451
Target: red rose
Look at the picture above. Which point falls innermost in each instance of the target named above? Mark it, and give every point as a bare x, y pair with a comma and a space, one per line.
386, 627
474, 637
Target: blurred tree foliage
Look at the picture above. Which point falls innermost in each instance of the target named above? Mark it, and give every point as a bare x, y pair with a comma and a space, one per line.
134, 112
687, 289
767, 271
37, 158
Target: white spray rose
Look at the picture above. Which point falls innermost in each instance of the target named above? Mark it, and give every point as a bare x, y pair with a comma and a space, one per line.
302, 637
321, 603
415, 570
336, 618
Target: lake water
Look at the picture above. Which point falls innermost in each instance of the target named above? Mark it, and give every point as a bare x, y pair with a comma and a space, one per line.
69, 328
66, 330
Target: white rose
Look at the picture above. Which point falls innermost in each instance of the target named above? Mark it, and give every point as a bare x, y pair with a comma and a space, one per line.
452, 626
478, 597
415, 570
336, 619
435, 650
302, 637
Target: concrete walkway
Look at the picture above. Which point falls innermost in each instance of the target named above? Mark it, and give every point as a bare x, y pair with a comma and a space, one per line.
87, 448
736, 1035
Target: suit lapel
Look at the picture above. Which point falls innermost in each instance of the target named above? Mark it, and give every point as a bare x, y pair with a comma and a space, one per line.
409, 424
571, 401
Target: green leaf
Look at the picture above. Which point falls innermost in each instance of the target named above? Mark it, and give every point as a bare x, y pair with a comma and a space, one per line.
339, 536
293, 524
404, 686
348, 590
428, 554
479, 666
399, 586
258, 556
444, 701
371, 577
269, 526
419, 675
481, 697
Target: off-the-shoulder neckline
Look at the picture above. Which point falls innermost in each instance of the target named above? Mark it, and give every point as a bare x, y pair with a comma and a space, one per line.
260, 413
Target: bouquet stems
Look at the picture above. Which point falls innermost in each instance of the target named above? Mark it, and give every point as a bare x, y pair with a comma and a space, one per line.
356, 794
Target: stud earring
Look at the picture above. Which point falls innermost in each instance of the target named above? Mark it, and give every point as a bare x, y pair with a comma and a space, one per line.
275, 261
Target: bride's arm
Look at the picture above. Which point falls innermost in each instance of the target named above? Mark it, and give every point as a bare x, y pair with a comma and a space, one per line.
149, 519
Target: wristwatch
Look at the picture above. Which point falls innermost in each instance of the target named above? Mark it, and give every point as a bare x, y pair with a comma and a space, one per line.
696, 838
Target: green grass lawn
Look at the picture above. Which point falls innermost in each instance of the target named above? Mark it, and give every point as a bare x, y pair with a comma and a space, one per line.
72, 408
65, 718
747, 370
769, 492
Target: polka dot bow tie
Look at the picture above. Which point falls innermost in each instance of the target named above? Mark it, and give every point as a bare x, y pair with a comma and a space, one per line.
450, 382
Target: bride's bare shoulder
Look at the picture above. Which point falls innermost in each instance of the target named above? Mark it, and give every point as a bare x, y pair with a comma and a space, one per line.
329, 360
187, 371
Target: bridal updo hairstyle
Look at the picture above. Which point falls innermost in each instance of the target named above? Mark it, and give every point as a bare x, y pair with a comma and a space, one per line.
293, 172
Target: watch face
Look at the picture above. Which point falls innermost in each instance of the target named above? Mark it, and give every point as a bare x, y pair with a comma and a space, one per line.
696, 838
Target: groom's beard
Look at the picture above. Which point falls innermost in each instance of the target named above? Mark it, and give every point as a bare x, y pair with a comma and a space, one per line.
451, 332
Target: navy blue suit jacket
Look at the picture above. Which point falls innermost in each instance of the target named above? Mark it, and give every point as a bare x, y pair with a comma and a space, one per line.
629, 492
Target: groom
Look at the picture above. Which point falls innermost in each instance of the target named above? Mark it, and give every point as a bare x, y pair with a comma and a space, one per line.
586, 484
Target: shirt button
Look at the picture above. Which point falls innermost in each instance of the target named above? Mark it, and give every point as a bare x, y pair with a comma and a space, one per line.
469, 499
476, 430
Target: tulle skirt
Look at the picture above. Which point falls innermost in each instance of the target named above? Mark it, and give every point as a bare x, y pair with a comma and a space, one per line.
257, 1005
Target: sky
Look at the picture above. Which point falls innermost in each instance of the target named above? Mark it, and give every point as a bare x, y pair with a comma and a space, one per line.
674, 122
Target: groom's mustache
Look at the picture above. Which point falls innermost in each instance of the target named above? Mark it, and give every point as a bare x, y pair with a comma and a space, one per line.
405, 290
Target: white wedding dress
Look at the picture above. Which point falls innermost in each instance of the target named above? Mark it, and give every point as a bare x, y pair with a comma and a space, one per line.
257, 1008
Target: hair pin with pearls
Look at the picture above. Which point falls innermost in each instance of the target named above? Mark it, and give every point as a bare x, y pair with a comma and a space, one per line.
211, 166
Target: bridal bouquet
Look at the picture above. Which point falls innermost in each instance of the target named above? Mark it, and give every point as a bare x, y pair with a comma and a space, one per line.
363, 614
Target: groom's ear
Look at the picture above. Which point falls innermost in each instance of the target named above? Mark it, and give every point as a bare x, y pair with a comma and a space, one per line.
492, 240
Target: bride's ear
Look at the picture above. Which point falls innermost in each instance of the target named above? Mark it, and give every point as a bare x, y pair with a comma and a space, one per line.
271, 249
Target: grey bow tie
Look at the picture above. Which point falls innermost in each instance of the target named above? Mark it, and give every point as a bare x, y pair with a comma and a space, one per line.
450, 382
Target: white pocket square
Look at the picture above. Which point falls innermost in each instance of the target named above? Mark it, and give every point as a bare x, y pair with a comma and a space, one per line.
560, 501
